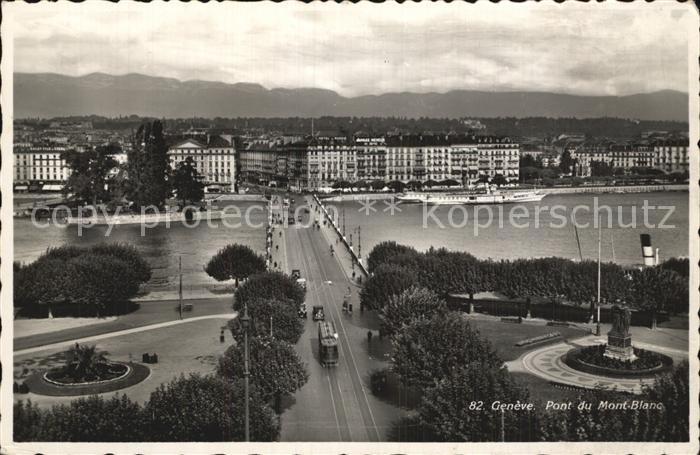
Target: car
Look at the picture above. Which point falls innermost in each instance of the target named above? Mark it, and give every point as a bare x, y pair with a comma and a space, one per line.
302, 311
290, 220
318, 314
296, 273
301, 282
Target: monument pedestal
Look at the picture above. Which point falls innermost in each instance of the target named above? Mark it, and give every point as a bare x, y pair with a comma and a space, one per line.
620, 347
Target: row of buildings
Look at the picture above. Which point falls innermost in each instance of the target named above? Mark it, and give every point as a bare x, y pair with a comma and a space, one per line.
665, 152
41, 166
669, 155
323, 161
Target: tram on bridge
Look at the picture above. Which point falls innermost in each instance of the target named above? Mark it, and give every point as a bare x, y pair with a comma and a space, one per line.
327, 344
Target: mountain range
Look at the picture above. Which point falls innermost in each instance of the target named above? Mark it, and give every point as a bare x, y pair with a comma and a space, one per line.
54, 95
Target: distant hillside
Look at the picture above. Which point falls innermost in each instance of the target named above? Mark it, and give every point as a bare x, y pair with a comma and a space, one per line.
54, 95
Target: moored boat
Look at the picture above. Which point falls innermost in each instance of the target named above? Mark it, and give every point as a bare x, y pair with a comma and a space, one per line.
473, 197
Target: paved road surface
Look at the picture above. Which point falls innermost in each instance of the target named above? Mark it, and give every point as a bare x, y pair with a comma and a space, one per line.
143, 328
336, 404
149, 313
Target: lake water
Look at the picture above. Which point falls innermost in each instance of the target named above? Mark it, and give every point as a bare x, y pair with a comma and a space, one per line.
425, 226
416, 225
161, 246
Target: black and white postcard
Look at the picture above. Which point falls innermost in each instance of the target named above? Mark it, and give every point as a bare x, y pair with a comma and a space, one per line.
314, 228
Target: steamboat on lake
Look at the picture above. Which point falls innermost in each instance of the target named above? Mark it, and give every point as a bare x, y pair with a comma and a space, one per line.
475, 197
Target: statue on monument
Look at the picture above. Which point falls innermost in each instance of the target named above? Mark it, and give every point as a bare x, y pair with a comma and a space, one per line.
621, 317
619, 339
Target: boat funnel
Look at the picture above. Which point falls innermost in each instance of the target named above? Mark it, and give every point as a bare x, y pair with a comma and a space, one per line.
647, 250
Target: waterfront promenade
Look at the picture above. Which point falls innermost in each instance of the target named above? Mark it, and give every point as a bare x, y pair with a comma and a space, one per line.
582, 189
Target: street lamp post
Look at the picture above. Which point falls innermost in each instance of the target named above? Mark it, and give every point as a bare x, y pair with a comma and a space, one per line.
597, 327
245, 322
180, 286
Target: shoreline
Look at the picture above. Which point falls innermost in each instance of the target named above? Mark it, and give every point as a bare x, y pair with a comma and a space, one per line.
631, 189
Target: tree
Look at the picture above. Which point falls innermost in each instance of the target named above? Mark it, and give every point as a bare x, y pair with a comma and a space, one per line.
271, 315
187, 182
428, 350
90, 419
411, 305
679, 265
387, 251
566, 162
148, 167
458, 408
673, 390
89, 174
128, 254
377, 185
386, 281
207, 409
396, 186
95, 280
82, 362
235, 261
499, 180
268, 285
601, 169
668, 424
275, 367
657, 289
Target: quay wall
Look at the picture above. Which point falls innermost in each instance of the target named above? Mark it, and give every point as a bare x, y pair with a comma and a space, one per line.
555, 190
614, 189
342, 237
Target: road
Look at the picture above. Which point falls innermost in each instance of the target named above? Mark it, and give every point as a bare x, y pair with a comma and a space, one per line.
336, 403
149, 313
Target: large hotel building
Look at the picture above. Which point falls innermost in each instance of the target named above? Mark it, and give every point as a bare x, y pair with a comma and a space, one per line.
322, 161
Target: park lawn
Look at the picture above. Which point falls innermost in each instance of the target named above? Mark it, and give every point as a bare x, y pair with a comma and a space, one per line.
504, 335
29, 327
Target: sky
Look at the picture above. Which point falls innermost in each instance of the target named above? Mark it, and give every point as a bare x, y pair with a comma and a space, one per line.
365, 48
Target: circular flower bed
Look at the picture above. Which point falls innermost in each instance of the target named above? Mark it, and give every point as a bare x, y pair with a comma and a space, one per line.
42, 384
102, 372
591, 359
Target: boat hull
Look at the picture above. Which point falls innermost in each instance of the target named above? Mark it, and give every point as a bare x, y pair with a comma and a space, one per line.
471, 199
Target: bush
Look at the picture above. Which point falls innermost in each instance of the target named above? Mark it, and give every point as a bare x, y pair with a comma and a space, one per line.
234, 261
591, 360
268, 285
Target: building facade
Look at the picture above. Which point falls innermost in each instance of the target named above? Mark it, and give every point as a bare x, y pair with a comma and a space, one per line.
671, 155
37, 164
213, 158
331, 161
275, 163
